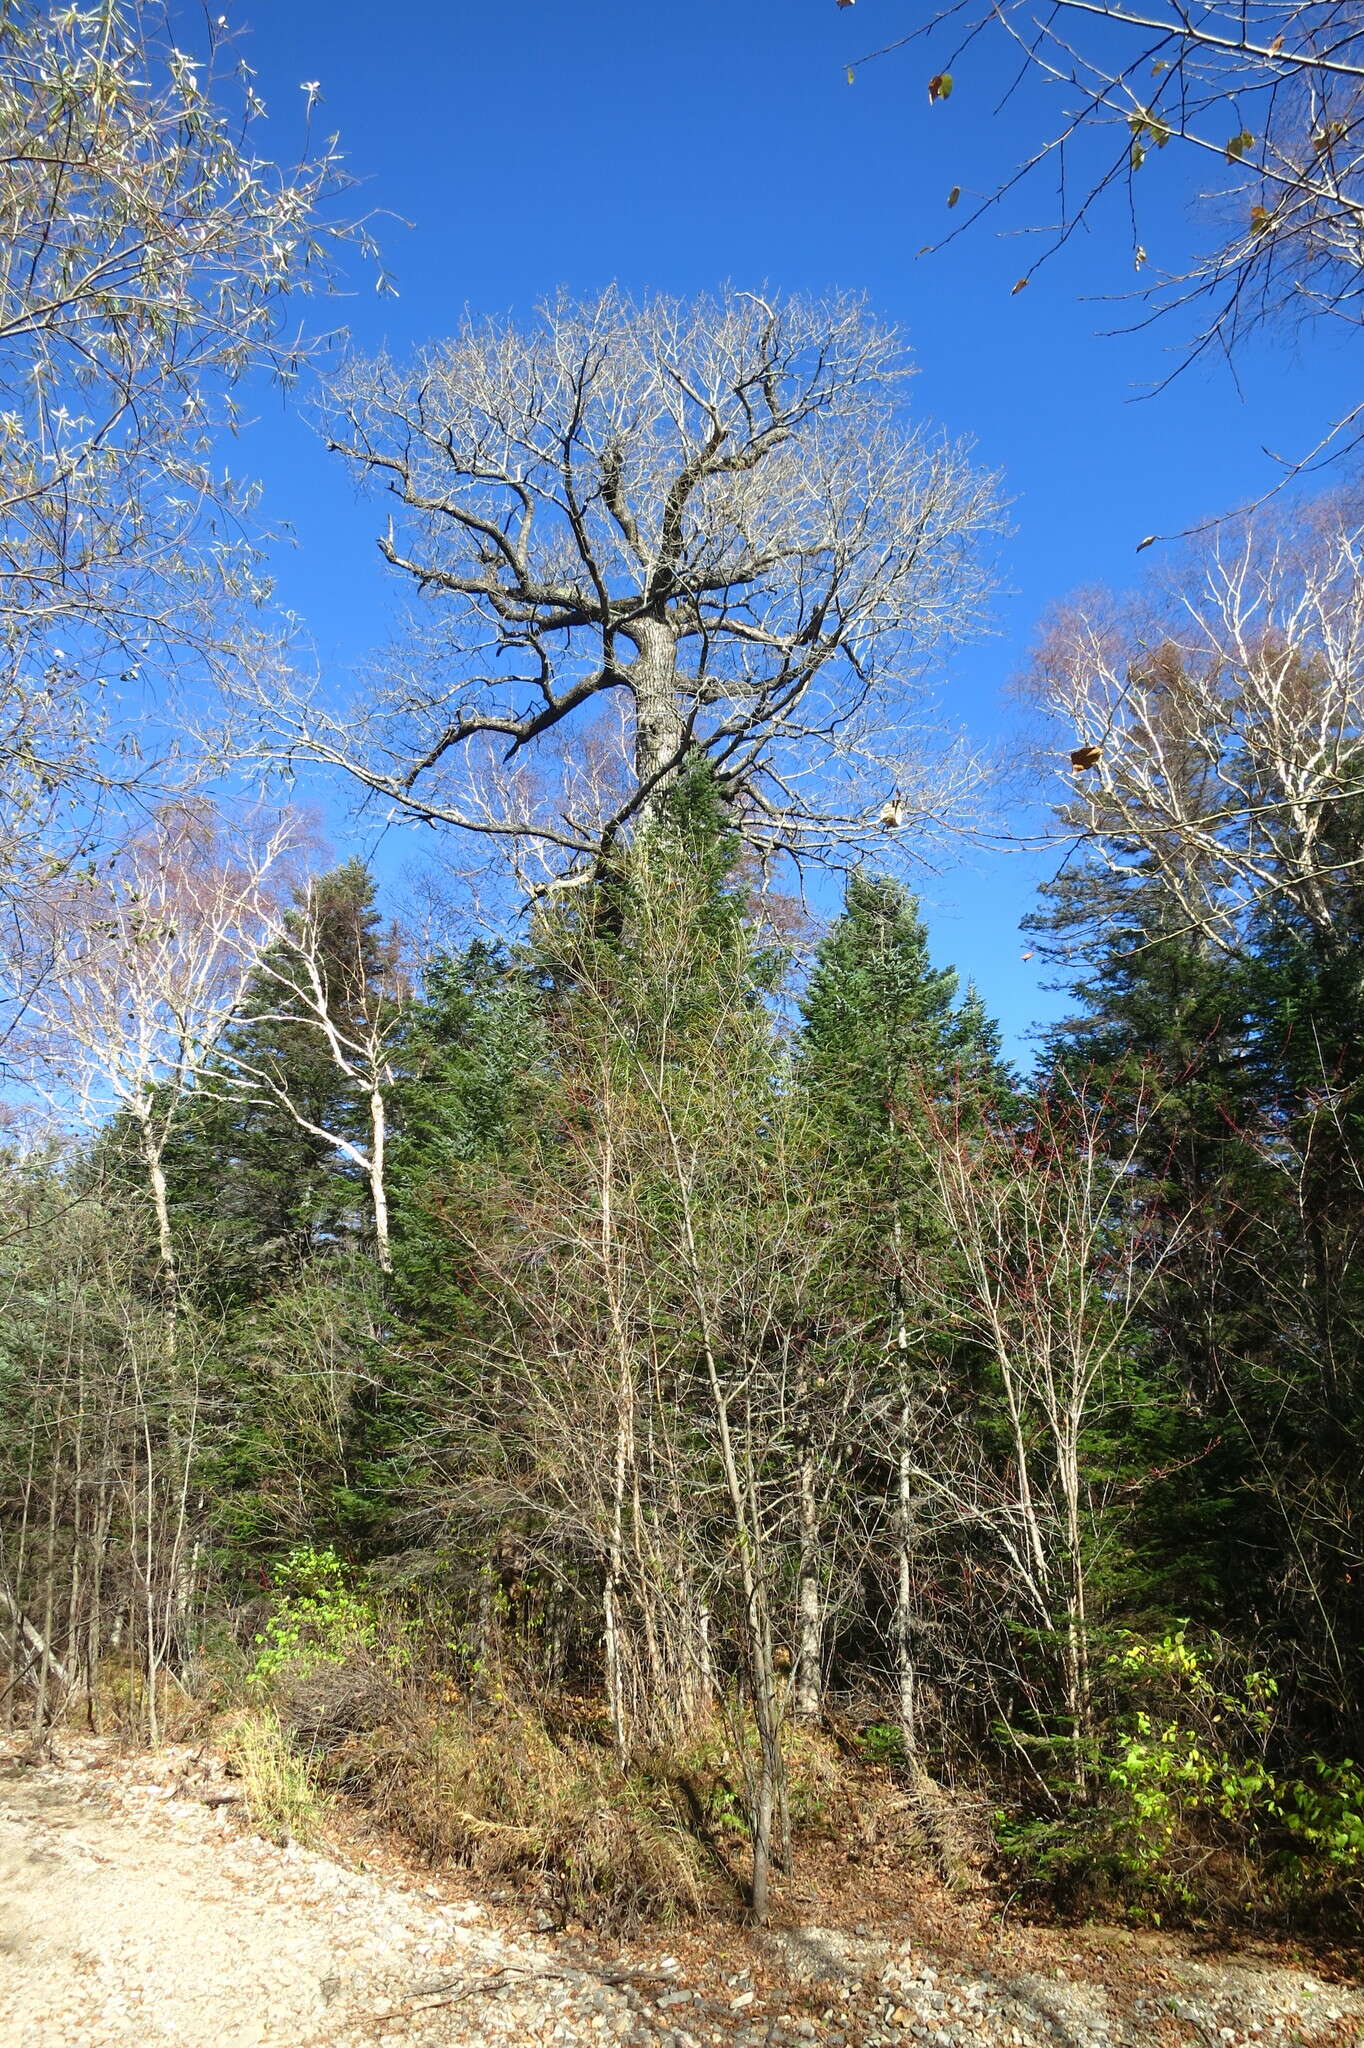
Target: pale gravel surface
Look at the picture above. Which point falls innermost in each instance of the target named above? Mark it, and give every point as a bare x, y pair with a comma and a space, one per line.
134, 1911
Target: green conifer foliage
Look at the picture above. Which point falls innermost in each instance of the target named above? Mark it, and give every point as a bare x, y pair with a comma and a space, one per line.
879, 1017
471, 1072
262, 1193
1253, 1154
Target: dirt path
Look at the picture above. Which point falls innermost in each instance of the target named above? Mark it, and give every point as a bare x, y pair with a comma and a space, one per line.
134, 1909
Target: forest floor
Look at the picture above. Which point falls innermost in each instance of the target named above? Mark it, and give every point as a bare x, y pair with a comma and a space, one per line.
137, 1907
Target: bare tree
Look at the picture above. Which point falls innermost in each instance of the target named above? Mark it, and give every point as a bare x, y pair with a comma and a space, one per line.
714, 515
1047, 1277
99, 1430
144, 965
1264, 101
1217, 726
149, 257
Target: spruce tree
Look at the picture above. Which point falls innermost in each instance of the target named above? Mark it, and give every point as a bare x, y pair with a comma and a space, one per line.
885, 1042
1245, 1071
471, 1071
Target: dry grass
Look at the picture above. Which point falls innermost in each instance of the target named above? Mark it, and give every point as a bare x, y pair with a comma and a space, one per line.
503, 1796
280, 1783
119, 1703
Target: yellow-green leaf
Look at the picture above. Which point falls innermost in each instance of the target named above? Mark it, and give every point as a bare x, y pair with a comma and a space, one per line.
940, 86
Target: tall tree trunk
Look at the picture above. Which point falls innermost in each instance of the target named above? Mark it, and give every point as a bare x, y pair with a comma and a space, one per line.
377, 1190
905, 1669
757, 1623
757, 1618
152, 1159
1077, 1625
762, 1834
658, 717
624, 1395
705, 1661
906, 1673
809, 1686
615, 1571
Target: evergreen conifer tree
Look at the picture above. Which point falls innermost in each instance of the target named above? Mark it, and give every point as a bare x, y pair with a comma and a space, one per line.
885, 1038
880, 1019
260, 1192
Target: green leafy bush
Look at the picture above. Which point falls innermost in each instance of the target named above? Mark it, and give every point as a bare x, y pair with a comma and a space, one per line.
316, 1618
1324, 1816
1190, 1766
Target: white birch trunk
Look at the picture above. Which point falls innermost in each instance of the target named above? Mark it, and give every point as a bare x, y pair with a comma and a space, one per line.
809, 1688
378, 1191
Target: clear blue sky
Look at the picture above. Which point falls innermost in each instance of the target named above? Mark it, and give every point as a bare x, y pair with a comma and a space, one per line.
672, 146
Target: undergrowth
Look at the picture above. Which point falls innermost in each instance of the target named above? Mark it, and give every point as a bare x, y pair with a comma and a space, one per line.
497, 1793
1178, 1811
1188, 1816
280, 1782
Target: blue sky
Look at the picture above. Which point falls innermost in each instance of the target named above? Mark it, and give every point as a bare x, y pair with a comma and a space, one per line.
672, 146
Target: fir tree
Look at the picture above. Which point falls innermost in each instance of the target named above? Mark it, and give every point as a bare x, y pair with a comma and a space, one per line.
884, 1043
879, 1018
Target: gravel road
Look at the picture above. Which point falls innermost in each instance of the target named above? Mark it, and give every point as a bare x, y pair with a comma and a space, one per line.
135, 1907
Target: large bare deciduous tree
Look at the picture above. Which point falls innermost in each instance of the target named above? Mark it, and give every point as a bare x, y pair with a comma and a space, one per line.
1262, 101
642, 532
1224, 714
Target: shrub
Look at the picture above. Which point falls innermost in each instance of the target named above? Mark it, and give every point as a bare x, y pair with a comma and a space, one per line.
1199, 1818
316, 1618
1324, 1817
1192, 1768
501, 1795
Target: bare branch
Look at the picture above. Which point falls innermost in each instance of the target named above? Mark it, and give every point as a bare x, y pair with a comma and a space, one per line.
714, 513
